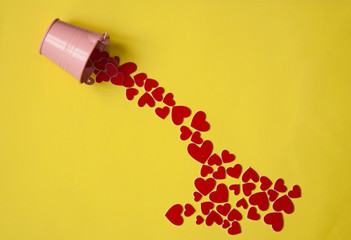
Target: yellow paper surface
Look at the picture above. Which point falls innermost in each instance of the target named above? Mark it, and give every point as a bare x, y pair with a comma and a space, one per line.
82, 162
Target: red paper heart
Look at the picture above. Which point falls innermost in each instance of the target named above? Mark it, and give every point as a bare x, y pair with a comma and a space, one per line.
128, 80
248, 188
202, 153
206, 207
295, 192
150, 84
96, 55
197, 196
221, 195
242, 203
174, 214
111, 69
102, 76
224, 209
205, 170
235, 171
227, 157
272, 195
234, 229
213, 217
179, 113
168, 99
113, 61
275, 219
131, 92
199, 122
220, 173
196, 138
185, 133
205, 186
127, 68
234, 215
189, 210
279, 186
226, 224
118, 79
158, 93
199, 220
100, 64
283, 203
235, 188
260, 199
146, 99
265, 183
250, 174
215, 159
117, 59
252, 214
162, 112
139, 79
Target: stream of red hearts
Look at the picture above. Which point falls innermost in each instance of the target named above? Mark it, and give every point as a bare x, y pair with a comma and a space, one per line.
217, 208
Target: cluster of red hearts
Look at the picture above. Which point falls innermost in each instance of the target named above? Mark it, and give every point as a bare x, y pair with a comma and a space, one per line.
252, 193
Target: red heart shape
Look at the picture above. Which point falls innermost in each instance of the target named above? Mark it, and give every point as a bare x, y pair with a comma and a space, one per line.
279, 186
196, 138
162, 112
250, 174
179, 113
221, 195
146, 99
242, 203
102, 76
118, 79
96, 55
205, 170
248, 188
234, 229
235, 171
169, 100
220, 173
224, 209
197, 196
199, 122
111, 69
206, 207
275, 219
235, 188
185, 133
215, 159
158, 93
100, 64
265, 183
234, 215
189, 210
285, 204
131, 92
113, 61
199, 220
252, 214
139, 79
174, 214
272, 195
295, 192
117, 59
226, 224
205, 186
127, 68
150, 84
128, 80
202, 153
213, 217
227, 157
260, 199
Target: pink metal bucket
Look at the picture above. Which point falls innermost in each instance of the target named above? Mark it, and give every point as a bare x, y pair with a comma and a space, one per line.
70, 47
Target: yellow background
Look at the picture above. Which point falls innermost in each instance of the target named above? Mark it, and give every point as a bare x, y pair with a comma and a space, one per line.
82, 162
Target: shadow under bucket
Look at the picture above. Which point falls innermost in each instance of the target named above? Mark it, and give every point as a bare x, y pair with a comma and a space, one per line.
70, 47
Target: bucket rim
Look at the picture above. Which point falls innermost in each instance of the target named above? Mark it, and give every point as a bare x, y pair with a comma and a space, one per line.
46, 33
